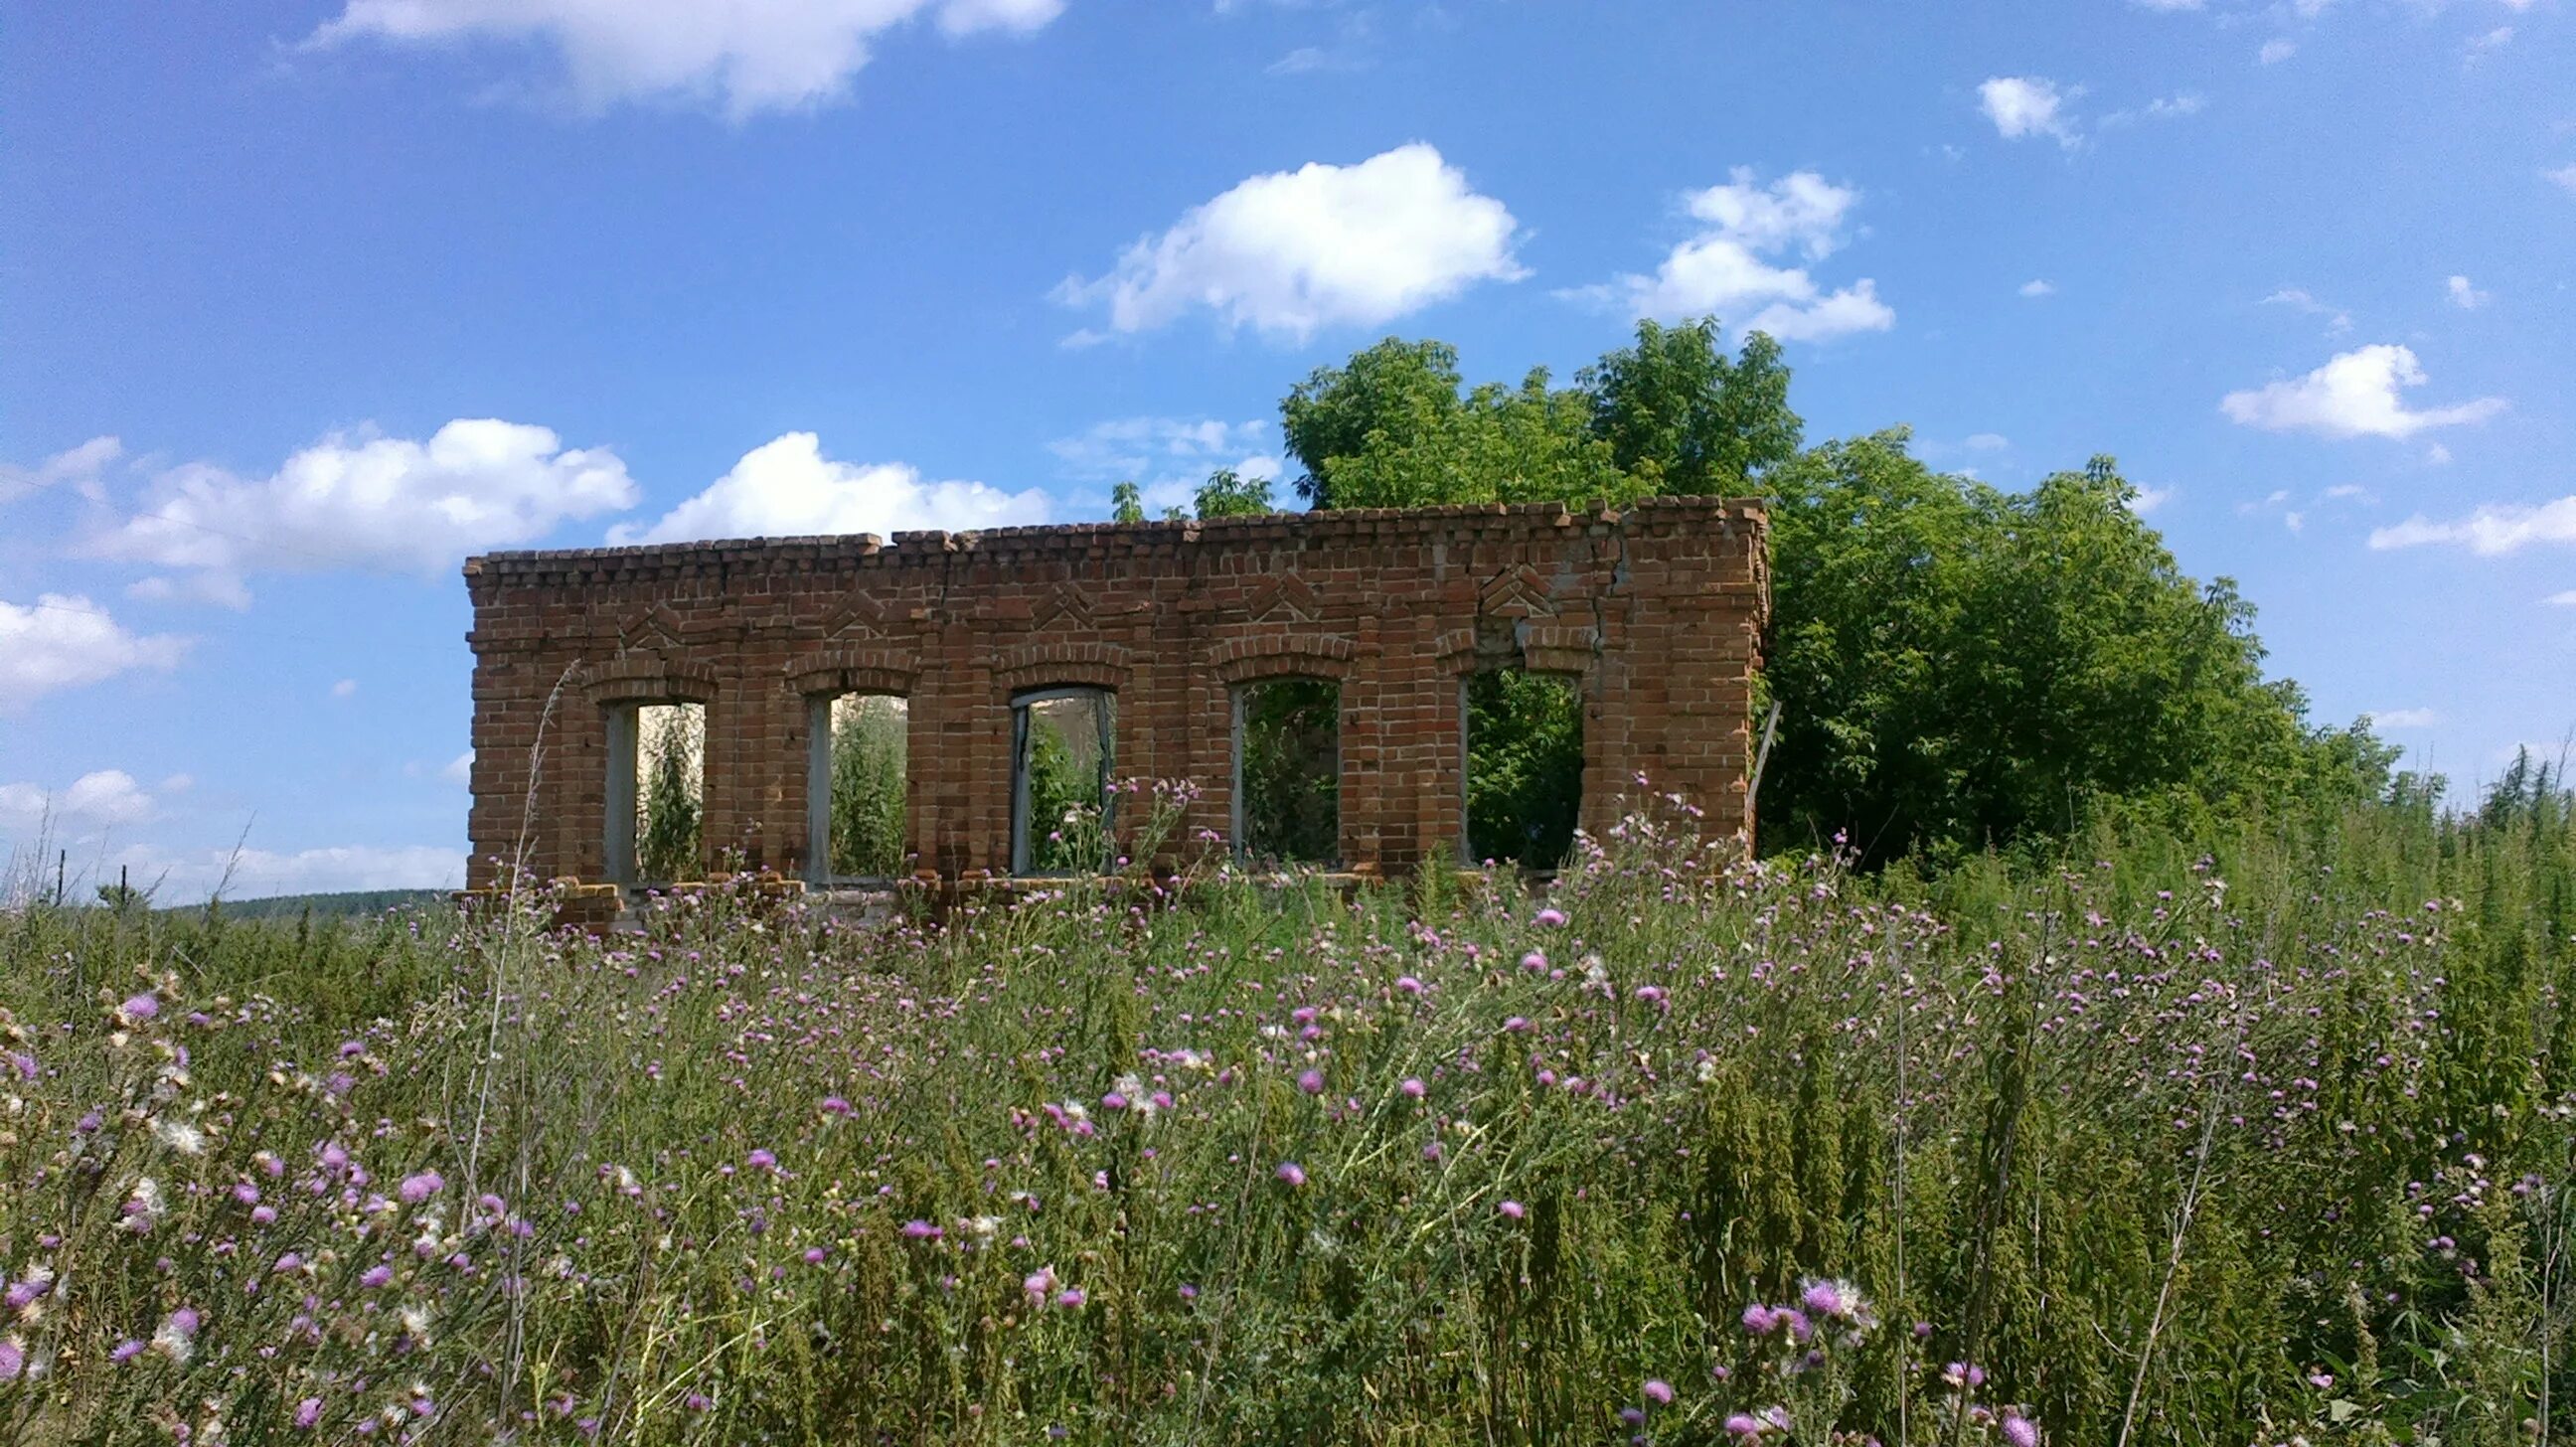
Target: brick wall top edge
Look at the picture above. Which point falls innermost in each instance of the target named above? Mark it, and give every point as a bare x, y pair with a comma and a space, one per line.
1381, 523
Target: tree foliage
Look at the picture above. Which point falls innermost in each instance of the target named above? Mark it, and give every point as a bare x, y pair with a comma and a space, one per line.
1957, 666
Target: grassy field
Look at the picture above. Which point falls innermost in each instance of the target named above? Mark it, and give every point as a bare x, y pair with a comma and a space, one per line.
2252, 1138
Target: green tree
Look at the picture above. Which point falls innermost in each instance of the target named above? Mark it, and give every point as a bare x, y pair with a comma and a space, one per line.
1228, 494
1683, 419
1959, 666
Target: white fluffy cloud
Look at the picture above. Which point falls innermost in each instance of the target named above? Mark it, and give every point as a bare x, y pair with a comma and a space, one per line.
1722, 271
1292, 251
2404, 718
2561, 600
787, 488
366, 501
749, 55
83, 469
2036, 287
66, 641
2497, 527
2353, 395
2564, 176
106, 797
2276, 50
2465, 296
2027, 105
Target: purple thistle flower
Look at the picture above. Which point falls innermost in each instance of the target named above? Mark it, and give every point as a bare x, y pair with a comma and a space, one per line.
307, 1413
1071, 1298
1659, 1391
1413, 1087
376, 1276
920, 1231
1742, 1425
834, 1105
13, 1359
1408, 984
1549, 918
2019, 1431
1311, 1082
420, 1187
1113, 1101
1511, 1210
140, 1007
1291, 1172
761, 1160
125, 1351
1827, 1298
1759, 1319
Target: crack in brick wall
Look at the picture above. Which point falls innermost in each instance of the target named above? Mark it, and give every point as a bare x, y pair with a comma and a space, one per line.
1658, 609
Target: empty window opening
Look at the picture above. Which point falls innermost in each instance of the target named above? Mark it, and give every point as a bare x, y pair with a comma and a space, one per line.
1061, 753
657, 792
1524, 781
862, 754
1288, 771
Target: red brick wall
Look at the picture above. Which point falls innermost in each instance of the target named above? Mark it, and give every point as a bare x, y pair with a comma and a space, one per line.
1658, 609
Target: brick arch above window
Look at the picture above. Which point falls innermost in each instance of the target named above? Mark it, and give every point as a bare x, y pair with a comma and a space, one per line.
648, 678
1293, 655
1049, 665
866, 669
1538, 647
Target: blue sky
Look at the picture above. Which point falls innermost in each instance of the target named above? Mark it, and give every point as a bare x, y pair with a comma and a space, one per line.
300, 303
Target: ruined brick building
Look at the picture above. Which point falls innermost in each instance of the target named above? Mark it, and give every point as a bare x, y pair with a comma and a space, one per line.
1156, 631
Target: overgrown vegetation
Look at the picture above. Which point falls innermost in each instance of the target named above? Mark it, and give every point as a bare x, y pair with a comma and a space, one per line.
1957, 667
1524, 766
870, 753
1290, 749
2256, 1132
669, 799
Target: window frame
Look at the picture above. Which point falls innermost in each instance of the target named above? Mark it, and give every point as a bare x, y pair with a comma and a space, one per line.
1022, 846
1238, 829
818, 789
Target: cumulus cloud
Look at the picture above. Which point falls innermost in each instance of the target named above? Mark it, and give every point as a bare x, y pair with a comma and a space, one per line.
2465, 296
365, 501
2037, 288
83, 469
1722, 271
2145, 500
747, 55
2562, 600
2353, 395
2028, 105
2495, 528
2276, 50
2404, 718
459, 770
65, 641
2564, 176
1290, 252
786, 487
106, 797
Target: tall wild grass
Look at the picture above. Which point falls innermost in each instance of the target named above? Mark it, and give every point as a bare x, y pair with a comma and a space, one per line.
2230, 1134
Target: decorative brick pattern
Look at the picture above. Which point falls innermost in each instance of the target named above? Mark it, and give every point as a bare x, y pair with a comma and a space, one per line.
1659, 610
